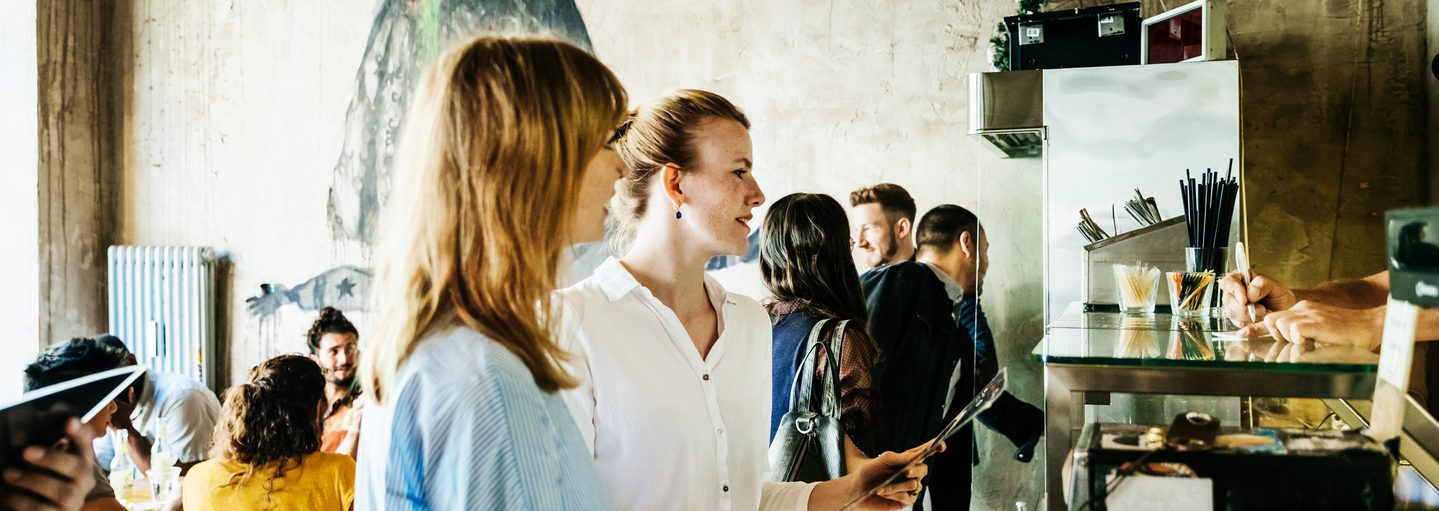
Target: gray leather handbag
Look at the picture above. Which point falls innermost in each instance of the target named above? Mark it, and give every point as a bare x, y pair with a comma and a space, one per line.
808, 446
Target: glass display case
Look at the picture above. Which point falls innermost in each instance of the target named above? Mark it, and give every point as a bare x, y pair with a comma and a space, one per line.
1107, 138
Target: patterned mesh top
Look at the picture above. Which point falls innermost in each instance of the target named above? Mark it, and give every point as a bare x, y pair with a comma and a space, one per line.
859, 403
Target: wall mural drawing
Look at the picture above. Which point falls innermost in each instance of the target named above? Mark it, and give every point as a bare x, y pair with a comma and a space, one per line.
346, 288
405, 36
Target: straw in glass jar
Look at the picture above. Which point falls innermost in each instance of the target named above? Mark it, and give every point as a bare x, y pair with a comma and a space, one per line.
1191, 286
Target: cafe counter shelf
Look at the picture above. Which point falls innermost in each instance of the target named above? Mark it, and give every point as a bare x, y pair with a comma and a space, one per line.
1087, 355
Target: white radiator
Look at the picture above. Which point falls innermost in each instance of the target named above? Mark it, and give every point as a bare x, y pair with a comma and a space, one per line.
162, 304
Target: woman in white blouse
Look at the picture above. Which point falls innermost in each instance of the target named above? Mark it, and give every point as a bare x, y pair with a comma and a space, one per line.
675, 371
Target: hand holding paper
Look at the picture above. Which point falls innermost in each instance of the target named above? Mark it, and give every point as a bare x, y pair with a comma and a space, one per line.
981, 402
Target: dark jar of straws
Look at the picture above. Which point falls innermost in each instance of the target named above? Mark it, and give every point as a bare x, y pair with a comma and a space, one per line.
1210, 259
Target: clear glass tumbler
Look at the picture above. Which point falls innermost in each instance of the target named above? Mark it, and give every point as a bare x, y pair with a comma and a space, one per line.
1137, 288
1190, 292
1210, 259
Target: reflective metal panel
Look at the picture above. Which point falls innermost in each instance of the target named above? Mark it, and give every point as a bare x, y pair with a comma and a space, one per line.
1112, 129
1006, 109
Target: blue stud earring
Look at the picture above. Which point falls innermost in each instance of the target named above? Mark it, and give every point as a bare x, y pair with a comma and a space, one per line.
677, 213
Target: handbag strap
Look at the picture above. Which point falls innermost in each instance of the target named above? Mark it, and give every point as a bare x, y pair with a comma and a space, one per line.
831, 383
801, 389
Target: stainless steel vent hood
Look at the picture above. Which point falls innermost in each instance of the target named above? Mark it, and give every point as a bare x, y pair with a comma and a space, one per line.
1007, 110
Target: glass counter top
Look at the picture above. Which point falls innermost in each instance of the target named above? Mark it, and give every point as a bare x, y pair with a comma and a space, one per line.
1164, 340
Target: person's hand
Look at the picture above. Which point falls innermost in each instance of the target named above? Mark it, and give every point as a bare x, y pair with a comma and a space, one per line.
900, 493
54, 479
1323, 324
1312, 353
1265, 293
124, 406
1239, 351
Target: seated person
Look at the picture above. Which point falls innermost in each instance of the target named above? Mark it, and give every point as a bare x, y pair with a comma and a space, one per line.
53, 478
75, 359
267, 447
335, 345
186, 408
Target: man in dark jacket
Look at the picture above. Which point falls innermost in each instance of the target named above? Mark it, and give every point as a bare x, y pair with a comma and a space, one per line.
937, 349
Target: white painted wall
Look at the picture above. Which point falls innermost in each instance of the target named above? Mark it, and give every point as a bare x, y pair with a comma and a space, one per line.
846, 94
842, 94
233, 125
19, 193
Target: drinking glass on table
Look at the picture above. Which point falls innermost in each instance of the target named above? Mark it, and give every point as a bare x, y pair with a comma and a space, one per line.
164, 484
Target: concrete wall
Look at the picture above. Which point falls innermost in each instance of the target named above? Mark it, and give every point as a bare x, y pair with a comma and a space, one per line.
848, 94
232, 114
1431, 87
78, 164
233, 117
19, 193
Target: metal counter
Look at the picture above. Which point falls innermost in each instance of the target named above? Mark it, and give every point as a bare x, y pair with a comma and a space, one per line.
1088, 355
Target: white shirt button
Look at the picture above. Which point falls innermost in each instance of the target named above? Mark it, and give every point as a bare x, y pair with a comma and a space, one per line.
721, 431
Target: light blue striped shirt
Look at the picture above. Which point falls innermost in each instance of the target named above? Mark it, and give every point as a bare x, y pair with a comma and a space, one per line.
463, 426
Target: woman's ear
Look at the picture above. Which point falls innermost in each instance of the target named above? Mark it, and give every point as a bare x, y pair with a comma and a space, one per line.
670, 177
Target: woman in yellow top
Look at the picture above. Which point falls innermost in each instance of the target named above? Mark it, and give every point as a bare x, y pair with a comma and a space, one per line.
267, 446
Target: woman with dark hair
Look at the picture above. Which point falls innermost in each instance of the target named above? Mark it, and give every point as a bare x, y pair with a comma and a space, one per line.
267, 446
805, 261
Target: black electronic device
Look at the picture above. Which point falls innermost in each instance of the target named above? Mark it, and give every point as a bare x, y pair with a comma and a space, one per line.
1107, 35
38, 417
1245, 469
1192, 431
1413, 248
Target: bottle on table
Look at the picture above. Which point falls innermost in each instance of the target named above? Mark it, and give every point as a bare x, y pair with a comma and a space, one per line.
122, 472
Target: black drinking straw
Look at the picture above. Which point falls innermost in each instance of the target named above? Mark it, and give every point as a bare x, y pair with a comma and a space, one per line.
1231, 190
1184, 191
1209, 206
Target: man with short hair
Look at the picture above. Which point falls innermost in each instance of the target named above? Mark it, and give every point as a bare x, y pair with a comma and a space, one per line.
73, 359
883, 217
925, 315
335, 345
183, 407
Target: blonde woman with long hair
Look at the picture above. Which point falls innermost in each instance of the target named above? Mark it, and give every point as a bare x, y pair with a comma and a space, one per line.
505, 162
674, 370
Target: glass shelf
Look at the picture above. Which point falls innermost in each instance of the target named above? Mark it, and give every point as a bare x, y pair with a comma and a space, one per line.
1164, 340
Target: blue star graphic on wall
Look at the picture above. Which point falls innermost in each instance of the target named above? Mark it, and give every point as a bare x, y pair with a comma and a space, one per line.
346, 288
